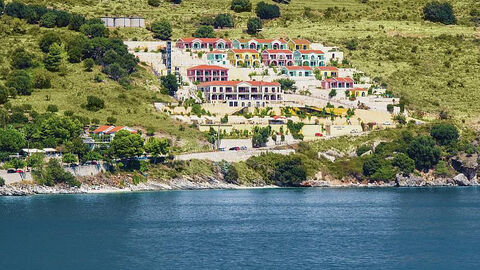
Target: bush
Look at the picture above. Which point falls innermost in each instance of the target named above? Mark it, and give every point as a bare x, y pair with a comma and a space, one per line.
2, 181
42, 79
423, 151
444, 133
88, 64
439, 12
352, 44
162, 29
170, 84
260, 136
20, 81
254, 25
4, 93
21, 59
48, 20
223, 20
62, 18
371, 165
267, 11
241, 5
385, 173
47, 40
76, 21
390, 108
111, 120
94, 103
363, 149
295, 129
404, 163
204, 31
441, 169
154, 3
52, 108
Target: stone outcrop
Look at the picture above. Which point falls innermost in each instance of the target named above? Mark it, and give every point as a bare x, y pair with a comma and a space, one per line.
466, 164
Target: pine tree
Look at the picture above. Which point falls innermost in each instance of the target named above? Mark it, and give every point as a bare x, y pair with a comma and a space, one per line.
54, 57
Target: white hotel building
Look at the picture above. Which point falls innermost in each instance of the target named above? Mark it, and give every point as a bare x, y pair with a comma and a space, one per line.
242, 94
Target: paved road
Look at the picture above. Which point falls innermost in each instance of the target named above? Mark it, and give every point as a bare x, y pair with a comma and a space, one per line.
230, 156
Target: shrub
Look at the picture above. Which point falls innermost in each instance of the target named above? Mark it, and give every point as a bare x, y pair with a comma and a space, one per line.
154, 3
441, 169
371, 165
62, 18
223, 20
204, 31
88, 64
260, 136
289, 171
295, 129
241, 5
47, 40
390, 108
363, 149
52, 108
20, 81
267, 11
385, 173
352, 44
161, 29
48, 20
94, 103
54, 57
332, 93
2, 181
254, 25
423, 151
404, 163
76, 21
42, 79
111, 120
4, 93
21, 59
170, 84
444, 133
439, 12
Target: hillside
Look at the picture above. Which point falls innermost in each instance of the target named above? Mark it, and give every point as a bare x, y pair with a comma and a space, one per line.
130, 105
432, 66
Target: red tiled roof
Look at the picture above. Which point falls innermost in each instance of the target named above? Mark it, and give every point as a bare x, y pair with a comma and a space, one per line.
244, 51
358, 89
207, 67
278, 51
346, 79
235, 83
300, 41
102, 129
264, 40
205, 40
298, 68
328, 68
311, 51
115, 129
216, 51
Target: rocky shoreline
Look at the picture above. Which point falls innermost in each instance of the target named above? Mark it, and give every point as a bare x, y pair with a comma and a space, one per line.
30, 188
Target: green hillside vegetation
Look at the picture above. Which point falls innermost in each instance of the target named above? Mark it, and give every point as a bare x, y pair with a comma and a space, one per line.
431, 65
65, 91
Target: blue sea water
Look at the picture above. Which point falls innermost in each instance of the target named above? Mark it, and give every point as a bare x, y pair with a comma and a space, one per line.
384, 228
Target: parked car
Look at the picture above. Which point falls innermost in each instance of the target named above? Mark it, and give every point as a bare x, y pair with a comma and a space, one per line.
94, 163
221, 149
318, 135
73, 165
19, 171
387, 123
11, 171
235, 148
243, 148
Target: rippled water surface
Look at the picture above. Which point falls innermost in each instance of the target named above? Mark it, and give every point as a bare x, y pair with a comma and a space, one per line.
244, 229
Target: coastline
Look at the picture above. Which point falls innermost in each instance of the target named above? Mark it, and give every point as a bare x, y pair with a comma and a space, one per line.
210, 183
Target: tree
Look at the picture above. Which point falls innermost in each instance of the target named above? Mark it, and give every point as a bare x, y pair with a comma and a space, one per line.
11, 140
289, 171
4, 93
390, 108
95, 103
224, 119
115, 71
371, 165
385, 173
267, 11
17, 163
76, 21
95, 29
332, 93
62, 18
21, 59
157, 147
423, 151
439, 12
223, 20
58, 129
48, 39
49, 19
204, 31
126, 145
69, 158
170, 84
260, 136
42, 79
404, 163
241, 5
444, 133
54, 57
16, 9
55, 174
20, 81
88, 64
35, 160
162, 29
154, 3
254, 25
286, 84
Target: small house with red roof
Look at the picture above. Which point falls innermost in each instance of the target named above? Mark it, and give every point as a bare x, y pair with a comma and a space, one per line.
357, 92
277, 57
338, 83
217, 57
328, 72
312, 58
298, 44
297, 71
204, 43
107, 132
207, 73
242, 93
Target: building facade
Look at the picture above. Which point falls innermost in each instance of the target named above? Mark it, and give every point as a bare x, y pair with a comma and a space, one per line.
260, 44
217, 58
204, 43
338, 83
277, 58
312, 58
297, 71
242, 94
328, 72
244, 57
207, 73
298, 44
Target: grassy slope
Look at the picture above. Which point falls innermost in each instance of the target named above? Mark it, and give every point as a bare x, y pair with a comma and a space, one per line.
386, 30
131, 107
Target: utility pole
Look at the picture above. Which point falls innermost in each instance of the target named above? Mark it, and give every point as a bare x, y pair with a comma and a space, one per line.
218, 136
